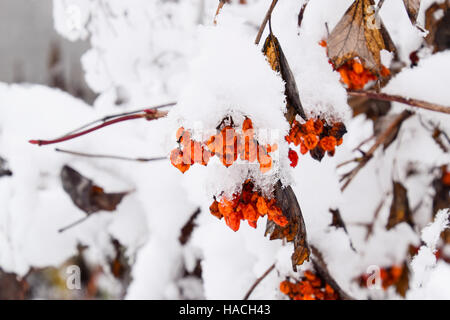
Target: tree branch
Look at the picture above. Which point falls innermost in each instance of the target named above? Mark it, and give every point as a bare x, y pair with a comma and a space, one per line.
394, 98
148, 115
380, 140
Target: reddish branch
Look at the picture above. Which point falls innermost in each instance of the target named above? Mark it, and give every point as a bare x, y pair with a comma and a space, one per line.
264, 23
148, 115
394, 98
384, 136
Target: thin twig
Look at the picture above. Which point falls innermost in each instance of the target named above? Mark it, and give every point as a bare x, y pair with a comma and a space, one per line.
263, 24
411, 102
105, 156
73, 224
265, 274
380, 140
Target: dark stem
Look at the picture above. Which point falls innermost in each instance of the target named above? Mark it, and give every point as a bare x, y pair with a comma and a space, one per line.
258, 281
73, 224
105, 156
263, 24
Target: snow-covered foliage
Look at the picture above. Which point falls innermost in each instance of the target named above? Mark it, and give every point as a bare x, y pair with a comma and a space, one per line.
144, 53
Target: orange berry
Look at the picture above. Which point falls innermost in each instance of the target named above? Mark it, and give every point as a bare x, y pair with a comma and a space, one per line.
214, 209
357, 67
328, 143
310, 141
261, 205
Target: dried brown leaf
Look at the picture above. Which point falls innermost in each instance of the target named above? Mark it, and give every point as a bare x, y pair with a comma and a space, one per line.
412, 7
400, 210
438, 26
361, 34
279, 63
86, 195
295, 231
402, 285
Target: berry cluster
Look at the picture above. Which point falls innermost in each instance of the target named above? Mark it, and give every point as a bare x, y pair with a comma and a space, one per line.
355, 76
315, 136
389, 276
248, 205
311, 287
227, 145
353, 73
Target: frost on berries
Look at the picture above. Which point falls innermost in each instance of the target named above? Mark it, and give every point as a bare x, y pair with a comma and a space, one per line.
227, 144
247, 205
317, 137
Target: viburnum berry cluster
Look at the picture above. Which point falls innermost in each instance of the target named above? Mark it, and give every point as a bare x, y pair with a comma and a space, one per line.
315, 136
247, 205
354, 74
311, 287
228, 144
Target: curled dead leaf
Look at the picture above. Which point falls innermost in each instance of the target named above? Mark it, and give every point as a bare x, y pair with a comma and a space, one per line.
400, 210
278, 62
86, 195
295, 230
359, 33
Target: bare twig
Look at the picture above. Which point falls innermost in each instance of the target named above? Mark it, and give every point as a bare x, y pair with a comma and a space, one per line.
73, 224
411, 102
105, 156
375, 216
380, 140
258, 281
263, 24
148, 115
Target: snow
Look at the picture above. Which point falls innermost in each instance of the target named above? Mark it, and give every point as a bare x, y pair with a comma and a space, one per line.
144, 53
424, 263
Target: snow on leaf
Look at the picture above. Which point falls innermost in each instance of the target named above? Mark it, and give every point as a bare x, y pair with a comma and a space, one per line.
278, 62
